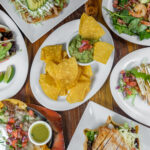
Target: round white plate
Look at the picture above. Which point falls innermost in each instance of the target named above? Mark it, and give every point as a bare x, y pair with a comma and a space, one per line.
20, 61
60, 36
134, 39
140, 111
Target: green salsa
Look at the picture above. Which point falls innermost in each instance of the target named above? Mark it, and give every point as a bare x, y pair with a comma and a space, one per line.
39, 133
82, 49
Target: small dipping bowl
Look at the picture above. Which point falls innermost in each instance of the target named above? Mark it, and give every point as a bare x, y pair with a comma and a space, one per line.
68, 43
47, 127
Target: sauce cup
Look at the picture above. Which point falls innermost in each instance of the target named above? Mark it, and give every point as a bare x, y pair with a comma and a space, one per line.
30, 134
68, 43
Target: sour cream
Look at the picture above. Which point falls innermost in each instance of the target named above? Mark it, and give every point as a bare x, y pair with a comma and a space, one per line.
3, 137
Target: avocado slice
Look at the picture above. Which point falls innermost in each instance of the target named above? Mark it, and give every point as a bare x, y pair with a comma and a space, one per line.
4, 49
33, 5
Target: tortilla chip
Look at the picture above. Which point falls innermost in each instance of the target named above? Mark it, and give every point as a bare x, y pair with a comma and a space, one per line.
20, 104
63, 92
102, 51
89, 28
67, 71
51, 69
51, 53
87, 71
1, 104
78, 92
49, 86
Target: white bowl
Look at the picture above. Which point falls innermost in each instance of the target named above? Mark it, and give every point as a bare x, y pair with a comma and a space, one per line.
68, 42
48, 127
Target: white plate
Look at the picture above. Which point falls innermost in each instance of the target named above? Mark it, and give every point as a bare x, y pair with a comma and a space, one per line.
134, 39
20, 61
95, 116
34, 31
141, 110
60, 36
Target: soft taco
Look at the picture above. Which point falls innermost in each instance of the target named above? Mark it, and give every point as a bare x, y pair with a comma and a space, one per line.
15, 120
7, 43
112, 136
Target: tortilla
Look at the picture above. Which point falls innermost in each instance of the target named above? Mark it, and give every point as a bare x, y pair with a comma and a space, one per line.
89, 28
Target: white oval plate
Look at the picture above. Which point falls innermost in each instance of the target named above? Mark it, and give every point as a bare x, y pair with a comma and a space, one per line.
60, 36
141, 110
20, 61
134, 39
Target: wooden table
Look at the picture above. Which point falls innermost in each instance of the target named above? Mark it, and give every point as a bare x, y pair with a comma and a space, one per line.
103, 97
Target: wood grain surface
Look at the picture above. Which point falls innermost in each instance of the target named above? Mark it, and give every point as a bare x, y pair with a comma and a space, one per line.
103, 97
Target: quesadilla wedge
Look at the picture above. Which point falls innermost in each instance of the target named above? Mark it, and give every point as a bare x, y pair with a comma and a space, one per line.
15, 120
7, 43
112, 136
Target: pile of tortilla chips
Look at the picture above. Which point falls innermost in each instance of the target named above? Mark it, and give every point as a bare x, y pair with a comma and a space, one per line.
63, 76
90, 29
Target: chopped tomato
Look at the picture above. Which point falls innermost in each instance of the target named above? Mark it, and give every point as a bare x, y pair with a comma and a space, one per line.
5, 39
85, 46
8, 127
11, 120
24, 144
13, 143
133, 148
128, 91
122, 72
15, 134
31, 113
132, 84
2, 30
126, 79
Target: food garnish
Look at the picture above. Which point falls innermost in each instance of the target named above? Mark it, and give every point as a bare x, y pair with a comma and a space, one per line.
131, 17
135, 82
112, 136
8, 75
63, 76
35, 11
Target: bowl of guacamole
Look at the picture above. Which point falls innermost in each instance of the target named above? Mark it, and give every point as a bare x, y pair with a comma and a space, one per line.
82, 49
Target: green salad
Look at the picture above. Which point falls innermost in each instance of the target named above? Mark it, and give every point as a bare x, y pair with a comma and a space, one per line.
131, 17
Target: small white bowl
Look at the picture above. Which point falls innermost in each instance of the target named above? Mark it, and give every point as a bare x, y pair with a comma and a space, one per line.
48, 127
68, 42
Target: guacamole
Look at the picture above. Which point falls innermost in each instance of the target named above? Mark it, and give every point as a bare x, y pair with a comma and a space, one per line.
82, 49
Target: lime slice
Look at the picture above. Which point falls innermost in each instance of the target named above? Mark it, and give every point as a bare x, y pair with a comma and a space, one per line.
1, 76
9, 74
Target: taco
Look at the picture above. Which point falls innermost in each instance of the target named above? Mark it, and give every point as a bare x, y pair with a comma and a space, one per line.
15, 120
7, 43
112, 136
34, 11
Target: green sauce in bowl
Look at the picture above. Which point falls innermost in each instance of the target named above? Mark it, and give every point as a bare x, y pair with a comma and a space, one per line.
39, 133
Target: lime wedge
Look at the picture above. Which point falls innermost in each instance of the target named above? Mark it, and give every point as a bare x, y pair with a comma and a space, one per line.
9, 74
1, 76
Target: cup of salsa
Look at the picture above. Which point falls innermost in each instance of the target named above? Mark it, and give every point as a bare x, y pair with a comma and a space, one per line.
40, 133
80, 48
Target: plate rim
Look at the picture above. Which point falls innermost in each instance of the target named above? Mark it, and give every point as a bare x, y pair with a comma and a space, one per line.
75, 104
25, 51
114, 94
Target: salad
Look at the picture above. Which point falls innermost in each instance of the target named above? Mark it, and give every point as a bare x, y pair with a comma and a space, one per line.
131, 17
135, 82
